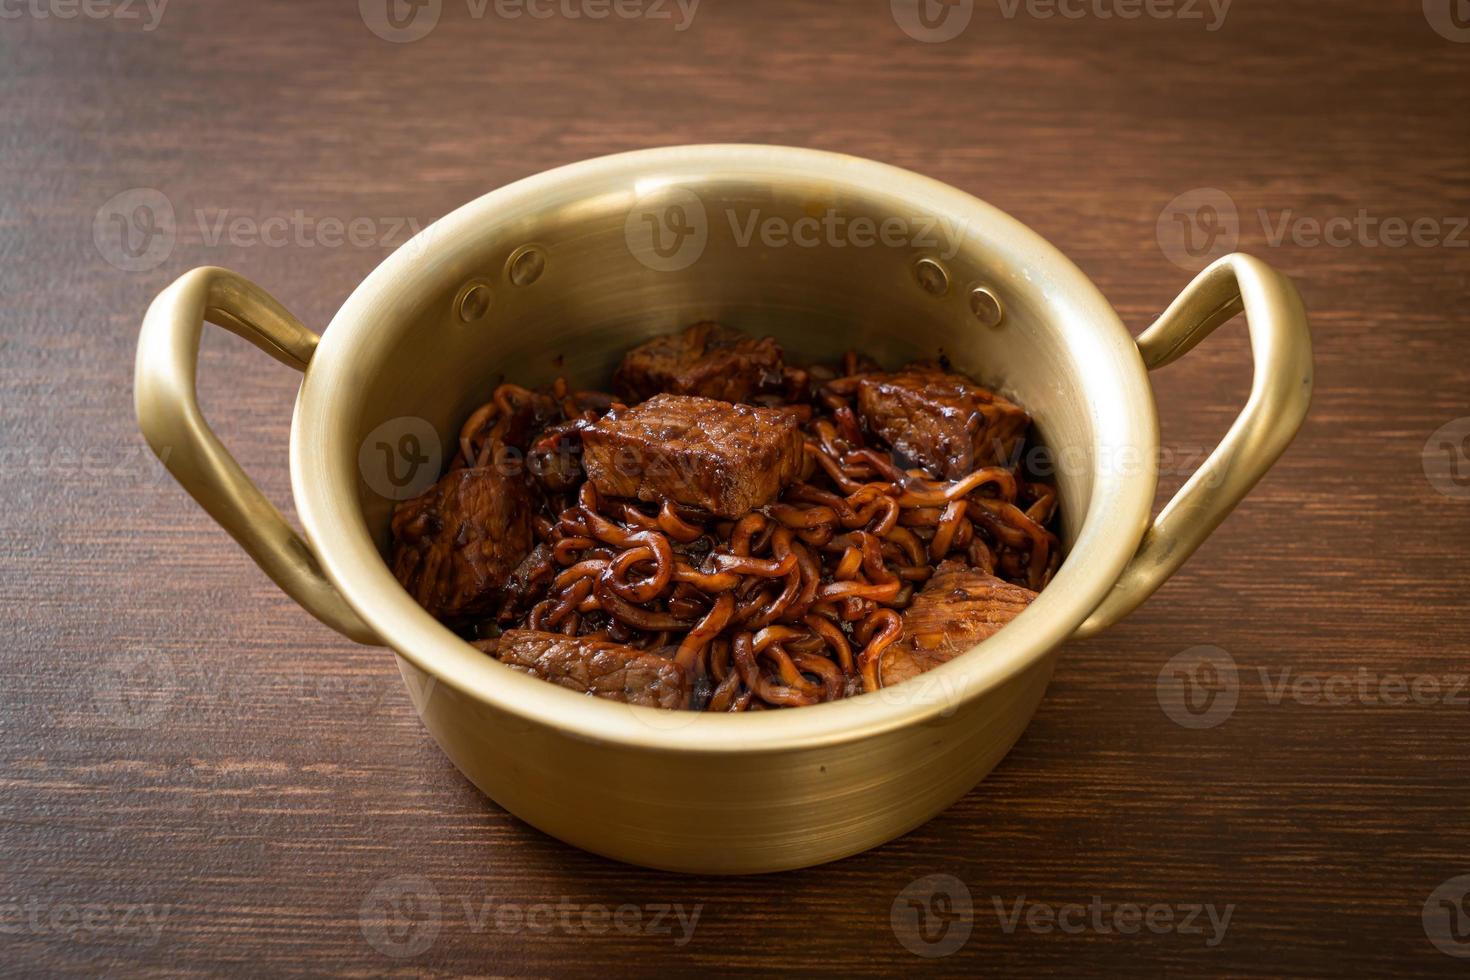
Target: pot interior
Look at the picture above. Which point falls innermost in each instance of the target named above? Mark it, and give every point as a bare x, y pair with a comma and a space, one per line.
820, 267
561, 273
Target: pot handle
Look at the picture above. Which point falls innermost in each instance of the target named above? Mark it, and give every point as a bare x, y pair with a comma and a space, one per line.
168, 413
1281, 391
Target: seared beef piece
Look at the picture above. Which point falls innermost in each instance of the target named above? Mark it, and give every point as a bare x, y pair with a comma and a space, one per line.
607, 670
455, 544
941, 420
957, 608
706, 359
527, 583
724, 458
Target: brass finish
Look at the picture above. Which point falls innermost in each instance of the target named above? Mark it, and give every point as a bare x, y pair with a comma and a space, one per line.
525, 265
168, 413
474, 301
683, 790
986, 306
1281, 393
932, 275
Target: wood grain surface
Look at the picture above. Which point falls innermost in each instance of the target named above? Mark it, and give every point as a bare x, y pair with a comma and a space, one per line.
199, 779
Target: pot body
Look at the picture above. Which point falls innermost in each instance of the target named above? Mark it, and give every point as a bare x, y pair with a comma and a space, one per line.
662, 807
561, 273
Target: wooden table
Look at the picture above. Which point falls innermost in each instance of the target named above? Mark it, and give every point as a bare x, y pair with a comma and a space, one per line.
198, 778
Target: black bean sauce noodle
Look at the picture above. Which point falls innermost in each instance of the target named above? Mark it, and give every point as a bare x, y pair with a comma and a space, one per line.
791, 604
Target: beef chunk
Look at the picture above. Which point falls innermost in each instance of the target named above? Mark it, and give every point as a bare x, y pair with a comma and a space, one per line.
726, 459
607, 670
707, 359
455, 544
959, 607
941, 420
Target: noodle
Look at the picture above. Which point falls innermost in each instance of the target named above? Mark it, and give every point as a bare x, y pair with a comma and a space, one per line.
792, 604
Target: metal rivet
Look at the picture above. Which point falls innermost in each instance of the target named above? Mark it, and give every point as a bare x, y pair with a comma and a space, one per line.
986, 306
932, 276
525, 265
474, 301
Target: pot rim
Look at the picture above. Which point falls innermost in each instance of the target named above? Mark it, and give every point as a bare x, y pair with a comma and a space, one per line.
325, 482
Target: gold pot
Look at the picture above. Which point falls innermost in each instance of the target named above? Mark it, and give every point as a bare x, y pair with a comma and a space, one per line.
562, 272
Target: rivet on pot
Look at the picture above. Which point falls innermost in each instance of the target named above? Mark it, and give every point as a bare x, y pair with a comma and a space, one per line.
473, 301
986, 306
525, 265
932, 276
